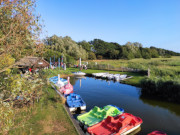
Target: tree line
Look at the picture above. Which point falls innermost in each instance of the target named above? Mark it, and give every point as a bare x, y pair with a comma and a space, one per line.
19, 36
99, 49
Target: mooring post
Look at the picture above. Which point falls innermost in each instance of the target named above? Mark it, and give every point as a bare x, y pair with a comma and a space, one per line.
59, 63
149, 72
80, 63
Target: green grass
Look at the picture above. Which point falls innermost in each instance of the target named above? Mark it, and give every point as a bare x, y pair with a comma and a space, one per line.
168, 68
54, 72
48, 116
173, 62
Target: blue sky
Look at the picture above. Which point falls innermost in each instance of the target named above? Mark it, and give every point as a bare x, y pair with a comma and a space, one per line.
150, 22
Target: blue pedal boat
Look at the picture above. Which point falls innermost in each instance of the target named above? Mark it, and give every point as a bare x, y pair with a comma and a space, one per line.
74, 101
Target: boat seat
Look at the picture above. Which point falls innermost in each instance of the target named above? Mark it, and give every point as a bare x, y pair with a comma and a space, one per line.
77, 100
119, 124
68, 98
95, 109
104, 113
108, 120
77, 96
114, 129
99, 116
115, 111
133, 122
109, 126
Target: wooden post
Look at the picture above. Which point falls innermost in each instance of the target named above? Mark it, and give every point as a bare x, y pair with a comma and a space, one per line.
149, 72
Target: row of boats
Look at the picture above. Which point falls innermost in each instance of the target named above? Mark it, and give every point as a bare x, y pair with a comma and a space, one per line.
73, 101
116, 77
107, 120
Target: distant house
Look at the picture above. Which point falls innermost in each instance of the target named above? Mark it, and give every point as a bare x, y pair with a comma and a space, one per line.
35, 63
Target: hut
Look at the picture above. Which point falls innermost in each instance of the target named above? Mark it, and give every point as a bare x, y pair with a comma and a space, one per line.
33, 63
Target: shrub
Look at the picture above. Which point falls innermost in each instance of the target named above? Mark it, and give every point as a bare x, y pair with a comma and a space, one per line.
92, 56
100, 57
166, 90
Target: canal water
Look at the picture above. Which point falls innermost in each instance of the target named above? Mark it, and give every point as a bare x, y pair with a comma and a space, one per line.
156, 115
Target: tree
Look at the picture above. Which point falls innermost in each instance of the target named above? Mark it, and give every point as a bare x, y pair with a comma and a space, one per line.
66, 46
138, 54
92, 56
85, 45
126, 54
154, 53
104, 48
113, 54
100, 57
19, 30
146, 53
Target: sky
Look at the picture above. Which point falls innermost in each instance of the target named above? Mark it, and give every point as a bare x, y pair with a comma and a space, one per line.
150, 22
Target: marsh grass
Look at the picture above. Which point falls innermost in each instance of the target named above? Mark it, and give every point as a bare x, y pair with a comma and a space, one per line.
159, 66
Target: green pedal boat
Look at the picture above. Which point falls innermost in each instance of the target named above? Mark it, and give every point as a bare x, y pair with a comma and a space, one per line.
97, 114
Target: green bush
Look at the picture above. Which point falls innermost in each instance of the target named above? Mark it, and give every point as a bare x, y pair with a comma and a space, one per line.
100, 57
92, 56
168, 90
70, 59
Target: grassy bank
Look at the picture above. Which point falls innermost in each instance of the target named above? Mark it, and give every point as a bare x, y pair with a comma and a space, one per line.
54, 72
47, 116
143, 64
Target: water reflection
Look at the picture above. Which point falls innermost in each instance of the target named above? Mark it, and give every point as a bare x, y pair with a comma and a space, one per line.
173, 108
156, 115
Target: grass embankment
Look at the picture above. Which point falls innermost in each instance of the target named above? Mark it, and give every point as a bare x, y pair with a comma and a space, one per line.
54, 72
143, 64
47, 116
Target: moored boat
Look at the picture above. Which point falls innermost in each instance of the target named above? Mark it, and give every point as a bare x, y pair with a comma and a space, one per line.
97, 114
110, 76
58, 81
105, 75
74, 101
117, 77
120, 109
157, 133
99, 74
79, 73
122, 124
67, 89
122, 77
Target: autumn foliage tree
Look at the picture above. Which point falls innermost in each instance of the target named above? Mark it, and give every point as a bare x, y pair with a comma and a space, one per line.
19, 31
19, 36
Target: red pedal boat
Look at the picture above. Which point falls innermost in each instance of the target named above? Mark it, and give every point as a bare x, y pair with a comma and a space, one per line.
121, 124
157, 133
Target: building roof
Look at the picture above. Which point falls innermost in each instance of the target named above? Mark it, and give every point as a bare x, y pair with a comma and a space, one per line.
30, 61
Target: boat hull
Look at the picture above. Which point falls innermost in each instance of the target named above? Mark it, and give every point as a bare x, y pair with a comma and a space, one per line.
131, 130
83, 108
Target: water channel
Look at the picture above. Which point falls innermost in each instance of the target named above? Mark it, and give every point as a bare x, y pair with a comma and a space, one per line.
156, 115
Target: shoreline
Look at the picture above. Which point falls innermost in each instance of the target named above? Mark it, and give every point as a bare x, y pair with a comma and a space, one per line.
73, 120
